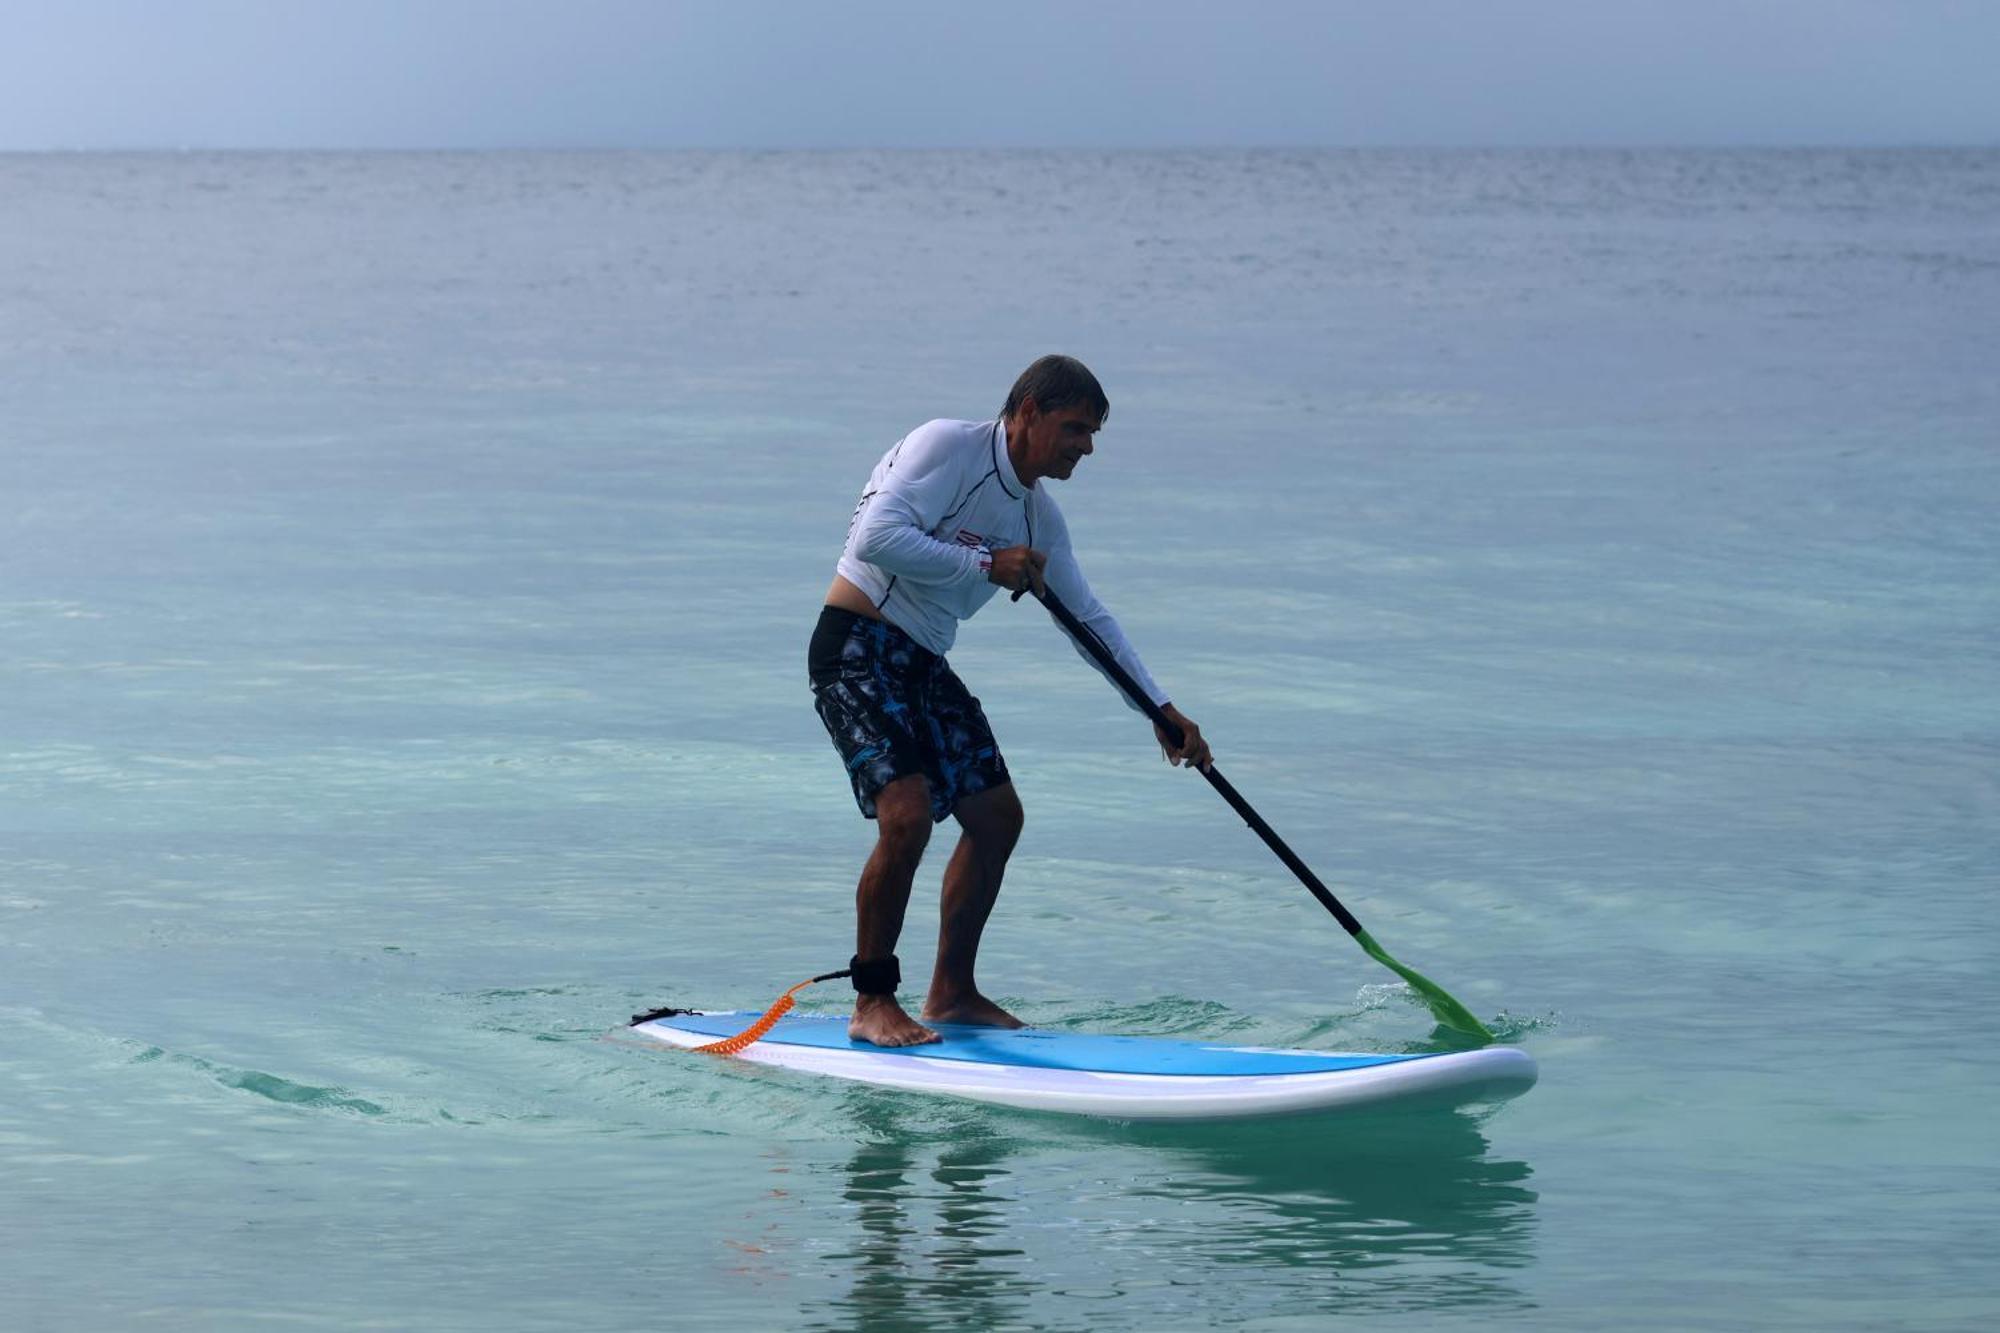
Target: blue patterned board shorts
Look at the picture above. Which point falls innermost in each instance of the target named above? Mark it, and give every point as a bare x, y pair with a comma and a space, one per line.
893, 708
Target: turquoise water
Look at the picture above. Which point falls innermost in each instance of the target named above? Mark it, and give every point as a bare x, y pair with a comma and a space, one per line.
1586, 561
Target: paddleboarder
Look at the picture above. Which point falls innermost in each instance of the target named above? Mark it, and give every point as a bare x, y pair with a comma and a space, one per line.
952, 514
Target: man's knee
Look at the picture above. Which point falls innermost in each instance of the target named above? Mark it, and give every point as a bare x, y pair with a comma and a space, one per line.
993, 818
903, 818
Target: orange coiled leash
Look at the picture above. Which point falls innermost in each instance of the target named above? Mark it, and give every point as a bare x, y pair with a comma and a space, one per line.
731, 1045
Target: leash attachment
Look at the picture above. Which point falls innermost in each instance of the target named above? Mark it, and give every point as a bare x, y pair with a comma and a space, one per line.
731, 1045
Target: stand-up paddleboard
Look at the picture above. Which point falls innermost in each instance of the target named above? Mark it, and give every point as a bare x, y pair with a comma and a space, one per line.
1126, 1078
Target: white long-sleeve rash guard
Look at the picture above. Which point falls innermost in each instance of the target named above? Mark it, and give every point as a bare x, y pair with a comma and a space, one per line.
913, 546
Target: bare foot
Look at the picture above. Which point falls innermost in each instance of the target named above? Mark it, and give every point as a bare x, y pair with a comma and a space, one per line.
880, 1021
974, 1009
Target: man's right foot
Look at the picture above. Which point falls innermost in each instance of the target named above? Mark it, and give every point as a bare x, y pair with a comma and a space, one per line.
880, 1021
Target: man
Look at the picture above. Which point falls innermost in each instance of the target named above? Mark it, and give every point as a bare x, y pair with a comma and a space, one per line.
952, 514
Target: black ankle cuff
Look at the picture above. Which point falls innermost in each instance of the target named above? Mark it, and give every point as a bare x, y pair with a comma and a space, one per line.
876, 976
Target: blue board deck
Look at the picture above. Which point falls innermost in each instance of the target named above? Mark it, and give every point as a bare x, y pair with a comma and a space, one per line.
1039, 1048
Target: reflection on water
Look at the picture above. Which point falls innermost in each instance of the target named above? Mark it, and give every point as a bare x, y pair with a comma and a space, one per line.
993, 1220
931, 1248
1370, 1214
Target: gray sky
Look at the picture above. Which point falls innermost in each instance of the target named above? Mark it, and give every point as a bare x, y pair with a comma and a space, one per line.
904, 73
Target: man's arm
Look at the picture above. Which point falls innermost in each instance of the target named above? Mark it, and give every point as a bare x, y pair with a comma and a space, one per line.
892, 526
1065, 579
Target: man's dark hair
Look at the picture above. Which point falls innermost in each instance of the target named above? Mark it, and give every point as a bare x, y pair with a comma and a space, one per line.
1056, 382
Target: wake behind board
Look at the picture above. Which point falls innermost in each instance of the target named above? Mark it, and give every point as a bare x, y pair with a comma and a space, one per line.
1125, 1078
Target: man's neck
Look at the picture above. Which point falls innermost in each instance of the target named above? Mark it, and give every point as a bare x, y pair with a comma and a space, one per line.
1015, 448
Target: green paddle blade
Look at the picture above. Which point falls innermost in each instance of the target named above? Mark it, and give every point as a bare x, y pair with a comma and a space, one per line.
1444, 1008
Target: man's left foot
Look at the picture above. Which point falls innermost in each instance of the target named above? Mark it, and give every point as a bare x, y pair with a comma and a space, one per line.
975, 1010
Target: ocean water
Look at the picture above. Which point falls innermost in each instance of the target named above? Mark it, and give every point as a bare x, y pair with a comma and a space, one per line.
1586, 560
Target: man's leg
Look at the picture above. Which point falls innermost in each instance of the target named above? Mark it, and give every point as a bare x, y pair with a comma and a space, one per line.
902, 828
991, 822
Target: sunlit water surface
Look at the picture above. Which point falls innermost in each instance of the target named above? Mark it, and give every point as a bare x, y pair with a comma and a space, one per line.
1586, 560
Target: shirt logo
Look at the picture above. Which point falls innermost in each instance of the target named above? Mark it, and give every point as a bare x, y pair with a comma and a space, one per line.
967, 537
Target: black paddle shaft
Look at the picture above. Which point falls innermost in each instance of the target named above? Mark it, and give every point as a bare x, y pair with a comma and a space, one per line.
1093, 645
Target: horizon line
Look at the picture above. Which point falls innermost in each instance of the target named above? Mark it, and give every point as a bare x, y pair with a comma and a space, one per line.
1639, 146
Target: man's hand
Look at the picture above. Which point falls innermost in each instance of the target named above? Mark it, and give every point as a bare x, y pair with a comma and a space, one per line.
1193, 749
1019, 569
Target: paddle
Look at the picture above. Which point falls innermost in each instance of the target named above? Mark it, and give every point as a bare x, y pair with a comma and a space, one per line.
1444, 1008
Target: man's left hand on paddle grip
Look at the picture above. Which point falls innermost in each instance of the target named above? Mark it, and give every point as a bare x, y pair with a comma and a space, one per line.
1019, 569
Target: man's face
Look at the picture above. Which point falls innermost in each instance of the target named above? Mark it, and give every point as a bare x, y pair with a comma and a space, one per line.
1056, 440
